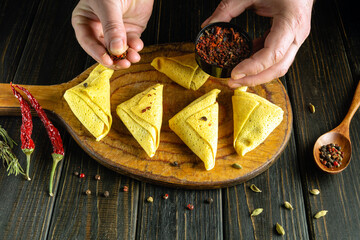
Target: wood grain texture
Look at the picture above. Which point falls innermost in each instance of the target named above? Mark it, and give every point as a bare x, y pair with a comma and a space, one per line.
39, 48
15, 30
120, 151
171, 217
26, 205
93, 216
280, 183
325, 81
27, 37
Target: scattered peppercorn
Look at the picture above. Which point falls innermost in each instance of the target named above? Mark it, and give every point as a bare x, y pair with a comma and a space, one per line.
150, 199
97, 177
76, 173
331, 155
209, 200
88, 192
190, 206
166, 196
106, 194
175, 164
82, 175
125, 188
203, 118
85, 85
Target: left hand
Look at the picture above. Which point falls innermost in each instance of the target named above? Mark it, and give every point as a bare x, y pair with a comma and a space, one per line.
113, 25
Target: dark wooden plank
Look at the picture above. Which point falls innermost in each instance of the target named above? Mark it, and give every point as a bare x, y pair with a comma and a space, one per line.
27, 208
16, 19
178, 21
52, 54
165, 218
171, 219
25, 204
321, 75
280, 183
350, 33
93, 216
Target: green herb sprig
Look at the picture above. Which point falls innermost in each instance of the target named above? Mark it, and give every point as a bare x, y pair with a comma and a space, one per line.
6, 154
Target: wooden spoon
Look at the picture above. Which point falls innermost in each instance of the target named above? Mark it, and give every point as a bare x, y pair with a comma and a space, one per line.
340, 136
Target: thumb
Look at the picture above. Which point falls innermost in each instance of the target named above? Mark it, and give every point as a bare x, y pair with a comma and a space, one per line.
227, 10
111, 18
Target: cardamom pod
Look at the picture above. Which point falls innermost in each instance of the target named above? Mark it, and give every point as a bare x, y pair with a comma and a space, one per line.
320, 214
314, 191
280, 229
311, 108
256, 212
254, 188
288, 205
237, 166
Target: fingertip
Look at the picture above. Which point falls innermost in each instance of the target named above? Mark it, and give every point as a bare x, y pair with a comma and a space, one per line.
135, 42
237, 75
133, 56
122, 64
117, 46
233, 84
205, 23
106, 60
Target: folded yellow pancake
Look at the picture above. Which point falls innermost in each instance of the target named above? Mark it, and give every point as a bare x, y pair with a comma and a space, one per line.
197, 126
90, 101
254, 119
142, 115
182, 69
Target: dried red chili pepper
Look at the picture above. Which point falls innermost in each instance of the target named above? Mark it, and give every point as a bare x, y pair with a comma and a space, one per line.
27, 144
54, 135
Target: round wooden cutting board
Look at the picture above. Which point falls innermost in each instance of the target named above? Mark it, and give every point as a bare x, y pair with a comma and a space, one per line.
120, 152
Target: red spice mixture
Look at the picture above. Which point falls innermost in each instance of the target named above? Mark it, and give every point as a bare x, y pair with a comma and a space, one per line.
222, 46
117, 58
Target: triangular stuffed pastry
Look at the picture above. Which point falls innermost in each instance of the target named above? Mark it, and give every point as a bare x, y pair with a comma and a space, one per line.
182, 69
90, 101
142, 115
197, 126
254, 119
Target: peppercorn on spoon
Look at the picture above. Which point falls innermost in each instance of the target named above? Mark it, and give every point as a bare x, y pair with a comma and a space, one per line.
339, 135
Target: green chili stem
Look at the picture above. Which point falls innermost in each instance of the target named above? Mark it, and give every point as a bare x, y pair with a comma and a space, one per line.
56, 159
28, 152
27, 167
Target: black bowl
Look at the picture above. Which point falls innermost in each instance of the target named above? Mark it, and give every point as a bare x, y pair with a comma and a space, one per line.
214, 69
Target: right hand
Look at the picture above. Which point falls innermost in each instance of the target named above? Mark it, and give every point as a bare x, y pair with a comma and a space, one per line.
290, 27
113, 25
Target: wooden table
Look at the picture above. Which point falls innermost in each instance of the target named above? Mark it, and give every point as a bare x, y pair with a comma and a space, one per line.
38, 46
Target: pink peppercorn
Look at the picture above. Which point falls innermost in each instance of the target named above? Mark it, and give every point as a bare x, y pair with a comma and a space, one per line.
190, 206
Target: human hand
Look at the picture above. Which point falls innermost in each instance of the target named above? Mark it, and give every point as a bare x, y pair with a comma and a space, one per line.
290, 27
113, 25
